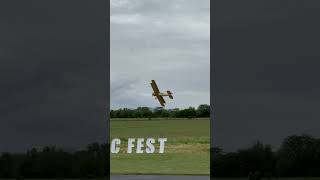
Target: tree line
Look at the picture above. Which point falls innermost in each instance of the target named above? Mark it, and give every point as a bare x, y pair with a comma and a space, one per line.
51, 162
202, 110
298, 156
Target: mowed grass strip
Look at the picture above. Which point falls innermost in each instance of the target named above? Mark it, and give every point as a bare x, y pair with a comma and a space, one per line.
162, 164
187, 150
177, 131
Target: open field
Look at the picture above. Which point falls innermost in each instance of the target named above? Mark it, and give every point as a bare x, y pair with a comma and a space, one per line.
187, 149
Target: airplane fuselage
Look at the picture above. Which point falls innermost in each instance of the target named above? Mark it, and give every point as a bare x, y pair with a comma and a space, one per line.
160, 94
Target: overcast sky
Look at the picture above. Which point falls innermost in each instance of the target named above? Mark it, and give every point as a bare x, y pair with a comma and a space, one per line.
266, 71
164, 40
53, 67
53, 73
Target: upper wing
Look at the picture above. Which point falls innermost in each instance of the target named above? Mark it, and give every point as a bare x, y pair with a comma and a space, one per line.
161, 100
154, 86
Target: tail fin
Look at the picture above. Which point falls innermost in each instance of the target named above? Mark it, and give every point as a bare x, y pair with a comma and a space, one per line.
170, 94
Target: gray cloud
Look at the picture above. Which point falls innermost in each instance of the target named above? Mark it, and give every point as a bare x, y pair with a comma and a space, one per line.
163, 40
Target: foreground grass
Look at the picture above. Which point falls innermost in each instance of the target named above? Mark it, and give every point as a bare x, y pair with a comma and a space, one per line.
187, 149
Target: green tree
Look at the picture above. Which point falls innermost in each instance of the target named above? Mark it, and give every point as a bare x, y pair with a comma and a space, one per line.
298, 155
187, 113
144, 112
203, 110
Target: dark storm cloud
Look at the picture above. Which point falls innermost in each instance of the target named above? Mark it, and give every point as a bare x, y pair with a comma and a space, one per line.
266, 69
53, 73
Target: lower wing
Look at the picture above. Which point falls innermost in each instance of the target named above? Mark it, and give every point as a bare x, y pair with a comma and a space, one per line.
161, 100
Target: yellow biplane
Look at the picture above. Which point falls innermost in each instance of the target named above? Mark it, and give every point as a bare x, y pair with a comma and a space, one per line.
159, 95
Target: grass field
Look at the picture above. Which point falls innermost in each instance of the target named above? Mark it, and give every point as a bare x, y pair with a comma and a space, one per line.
187, 150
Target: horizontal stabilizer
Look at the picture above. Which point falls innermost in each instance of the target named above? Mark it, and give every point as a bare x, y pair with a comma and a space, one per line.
170, 94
